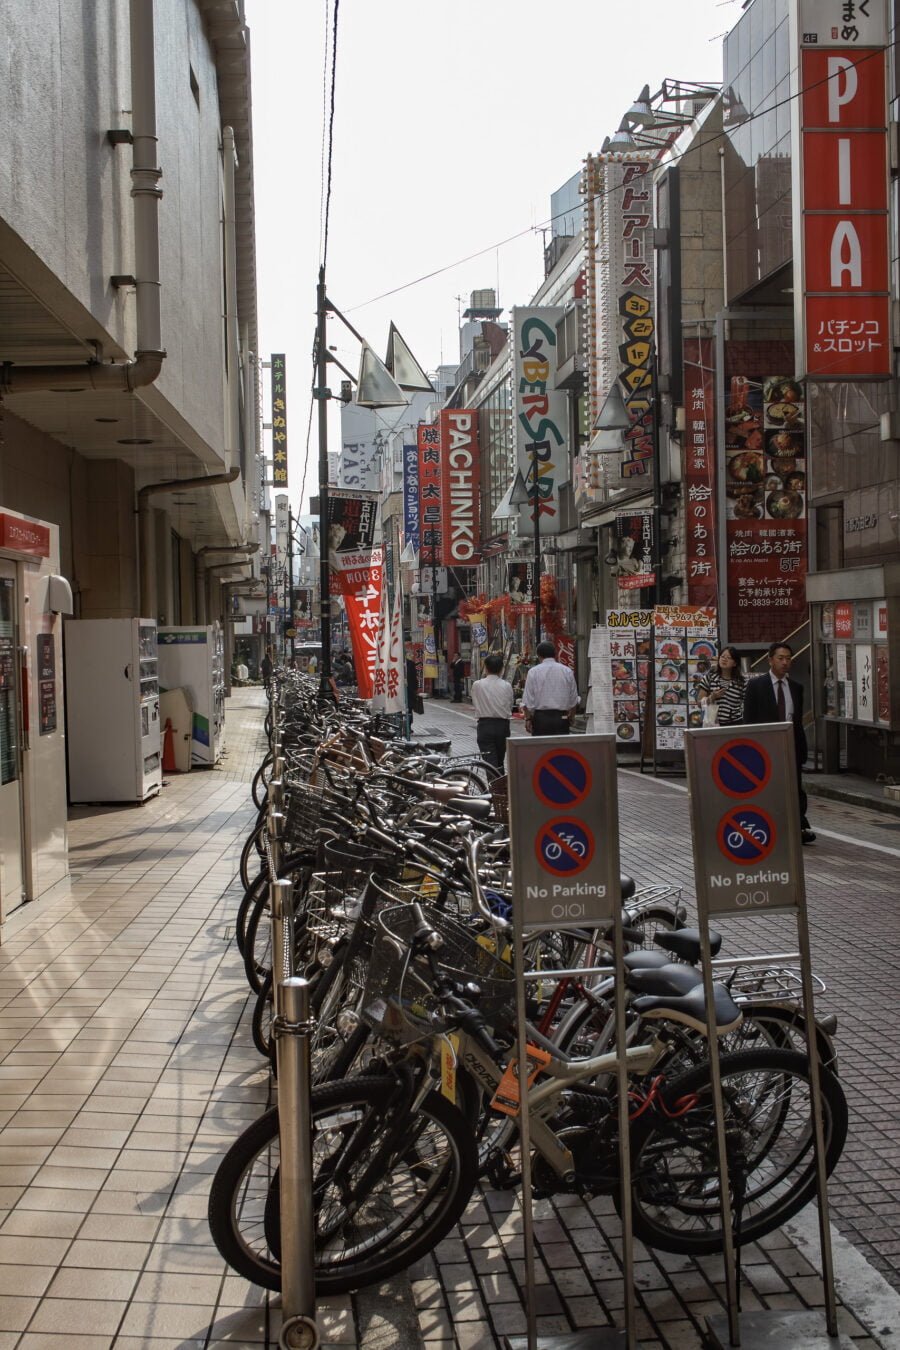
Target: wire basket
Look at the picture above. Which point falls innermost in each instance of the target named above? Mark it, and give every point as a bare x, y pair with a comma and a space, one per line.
306, 809
646, 909
767, 984
399, 1002
499, 790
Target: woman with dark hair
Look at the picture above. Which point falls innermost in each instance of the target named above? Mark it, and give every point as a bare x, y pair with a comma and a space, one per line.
724, 687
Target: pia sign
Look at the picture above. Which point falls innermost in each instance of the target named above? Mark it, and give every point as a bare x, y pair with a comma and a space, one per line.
745, 818
845, 235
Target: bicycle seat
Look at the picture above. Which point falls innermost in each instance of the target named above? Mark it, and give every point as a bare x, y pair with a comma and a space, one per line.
685, 943
628, 886
476, 808
671, 979
646, 960
690, 1008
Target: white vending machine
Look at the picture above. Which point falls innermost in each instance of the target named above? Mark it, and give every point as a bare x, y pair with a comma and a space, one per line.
112, 710
192, 657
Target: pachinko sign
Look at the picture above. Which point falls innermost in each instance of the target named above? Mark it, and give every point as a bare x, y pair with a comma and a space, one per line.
700, 471
359, 580
540, 414
459, 485
846, 239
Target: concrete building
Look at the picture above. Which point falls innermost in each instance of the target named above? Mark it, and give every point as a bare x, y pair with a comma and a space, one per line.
129, 390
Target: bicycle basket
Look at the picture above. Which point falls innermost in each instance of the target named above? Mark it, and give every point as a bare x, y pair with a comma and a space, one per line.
399, 1001
306, 808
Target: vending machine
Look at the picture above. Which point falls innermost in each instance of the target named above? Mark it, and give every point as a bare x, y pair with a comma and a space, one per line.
112, 710
192, 657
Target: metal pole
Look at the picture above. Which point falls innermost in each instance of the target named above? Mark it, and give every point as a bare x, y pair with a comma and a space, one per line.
536, 512
293, 1027
525, 1139
322, 394
281, 896
274, 825
289, 585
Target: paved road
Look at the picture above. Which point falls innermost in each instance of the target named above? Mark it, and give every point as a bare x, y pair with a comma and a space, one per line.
851, 881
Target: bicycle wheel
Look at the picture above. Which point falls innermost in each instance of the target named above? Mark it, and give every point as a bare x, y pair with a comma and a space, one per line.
253, 850
387, 1186
768, 1121
257, 948
260, 783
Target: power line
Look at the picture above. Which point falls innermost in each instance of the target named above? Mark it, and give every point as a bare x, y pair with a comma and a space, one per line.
619, 187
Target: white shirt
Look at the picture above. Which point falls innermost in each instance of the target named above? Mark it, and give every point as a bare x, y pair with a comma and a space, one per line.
788, 701
493, 697
550, 686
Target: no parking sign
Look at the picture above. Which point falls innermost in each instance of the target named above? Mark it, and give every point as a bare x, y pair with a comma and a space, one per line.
745, 818
564, 825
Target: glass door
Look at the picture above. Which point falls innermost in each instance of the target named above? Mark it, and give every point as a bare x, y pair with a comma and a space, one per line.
12, 831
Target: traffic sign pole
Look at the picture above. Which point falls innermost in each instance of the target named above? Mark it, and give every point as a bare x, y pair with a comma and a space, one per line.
748, 859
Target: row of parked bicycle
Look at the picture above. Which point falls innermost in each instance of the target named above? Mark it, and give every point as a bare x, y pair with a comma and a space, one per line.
398, 860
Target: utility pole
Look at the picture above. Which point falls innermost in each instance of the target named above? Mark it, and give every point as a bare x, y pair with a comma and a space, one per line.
322, 393
289, 582
536, 571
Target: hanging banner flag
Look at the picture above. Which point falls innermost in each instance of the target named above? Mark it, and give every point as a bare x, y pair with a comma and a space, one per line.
459, 486
411, 496
431, 537
395, 681
279, 422
700, 472
352, 517
634, 550
540, 415
379, 676
430, 662
359, 580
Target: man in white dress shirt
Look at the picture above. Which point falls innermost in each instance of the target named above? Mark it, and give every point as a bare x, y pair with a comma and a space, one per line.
551, 695
492, 699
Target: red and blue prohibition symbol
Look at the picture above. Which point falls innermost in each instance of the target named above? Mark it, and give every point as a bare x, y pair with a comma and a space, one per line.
746, 834
562, 778
564, 847
740, 768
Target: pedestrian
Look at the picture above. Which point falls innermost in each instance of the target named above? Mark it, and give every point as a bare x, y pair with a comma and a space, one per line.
777, 698
266, 668
312, 665
414, 701
721, 690
493, 699
551, 695
458, 675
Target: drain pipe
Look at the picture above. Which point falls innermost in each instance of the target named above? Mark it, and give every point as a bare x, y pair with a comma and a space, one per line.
146, 194
149, 597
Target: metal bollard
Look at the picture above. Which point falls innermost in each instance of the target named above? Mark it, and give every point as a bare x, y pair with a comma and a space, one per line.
275, 830
275, 793
293, 1027
281, 902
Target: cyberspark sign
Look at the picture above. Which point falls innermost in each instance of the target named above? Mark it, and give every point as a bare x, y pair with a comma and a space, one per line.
540, 414
846, 237
459, 481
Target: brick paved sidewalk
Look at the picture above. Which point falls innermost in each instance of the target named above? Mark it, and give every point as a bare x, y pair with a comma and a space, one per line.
127, 1069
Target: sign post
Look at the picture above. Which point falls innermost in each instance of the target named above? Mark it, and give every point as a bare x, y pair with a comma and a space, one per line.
748, 860
564, 825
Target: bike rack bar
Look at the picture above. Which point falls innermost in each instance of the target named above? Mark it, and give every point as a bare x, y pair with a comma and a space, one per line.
293, 1028
538, 975
727, 962
275, 830
281, 901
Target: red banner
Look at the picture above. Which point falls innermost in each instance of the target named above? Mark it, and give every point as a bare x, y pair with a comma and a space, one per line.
359, 582
765, 507
846, 247
431, 534
459, 483
700, 472
24, 536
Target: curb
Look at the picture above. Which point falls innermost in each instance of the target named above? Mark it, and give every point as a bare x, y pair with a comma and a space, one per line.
837, 794
862, 1290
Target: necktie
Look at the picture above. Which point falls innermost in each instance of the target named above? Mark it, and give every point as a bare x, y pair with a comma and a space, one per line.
779, 701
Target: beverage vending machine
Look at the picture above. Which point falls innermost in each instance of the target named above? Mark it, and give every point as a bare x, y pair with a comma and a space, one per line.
192, 657
112, 710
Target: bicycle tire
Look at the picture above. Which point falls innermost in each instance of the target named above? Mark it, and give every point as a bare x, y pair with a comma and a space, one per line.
259, 786
253, 843
780, 1190
257, 944
243, 1203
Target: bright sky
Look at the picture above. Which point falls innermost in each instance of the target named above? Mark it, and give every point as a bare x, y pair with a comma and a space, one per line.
454, 122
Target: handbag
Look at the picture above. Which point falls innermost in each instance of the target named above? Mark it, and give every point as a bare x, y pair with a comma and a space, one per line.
711, 713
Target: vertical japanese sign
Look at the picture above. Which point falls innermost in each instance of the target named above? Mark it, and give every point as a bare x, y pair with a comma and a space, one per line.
629, 652
279, 422
430, 513
684, 649
46, 676
765, 507
845, 235
540, 415
635, 303
459, 486
700, 471
352, 518
634, 550
411, 495
359, 580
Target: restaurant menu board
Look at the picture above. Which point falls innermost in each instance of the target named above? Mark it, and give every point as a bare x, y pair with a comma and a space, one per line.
765, 505
600, 698
629, 653
684, 650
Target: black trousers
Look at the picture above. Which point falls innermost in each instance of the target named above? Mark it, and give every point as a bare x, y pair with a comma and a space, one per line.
550, 722
492, 733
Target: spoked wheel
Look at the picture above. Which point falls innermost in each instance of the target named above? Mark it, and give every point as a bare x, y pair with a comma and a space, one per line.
386, 1189
768, 1121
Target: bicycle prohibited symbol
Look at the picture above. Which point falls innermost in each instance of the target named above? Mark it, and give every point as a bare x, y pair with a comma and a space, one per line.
562, 778
740, 768
746, 834
564, 847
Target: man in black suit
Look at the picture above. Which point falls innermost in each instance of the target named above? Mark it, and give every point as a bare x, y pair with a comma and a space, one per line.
776, 698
